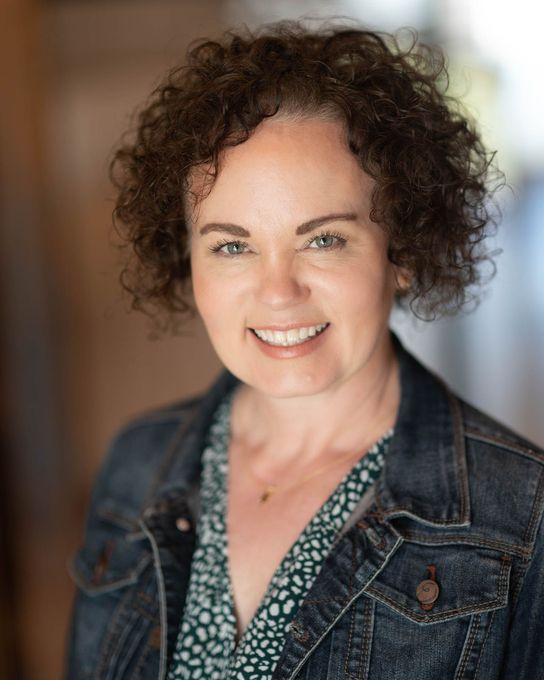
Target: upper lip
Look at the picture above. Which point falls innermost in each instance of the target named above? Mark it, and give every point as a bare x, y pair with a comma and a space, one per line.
288, 327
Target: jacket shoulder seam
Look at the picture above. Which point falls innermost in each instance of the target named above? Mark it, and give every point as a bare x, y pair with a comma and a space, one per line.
504, 443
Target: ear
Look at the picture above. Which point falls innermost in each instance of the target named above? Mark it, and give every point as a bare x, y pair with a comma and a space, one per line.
403, 279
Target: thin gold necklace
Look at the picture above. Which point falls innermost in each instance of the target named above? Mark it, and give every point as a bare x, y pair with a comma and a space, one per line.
274, 488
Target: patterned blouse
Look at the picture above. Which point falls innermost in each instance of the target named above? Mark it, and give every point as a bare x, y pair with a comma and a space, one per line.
206, 646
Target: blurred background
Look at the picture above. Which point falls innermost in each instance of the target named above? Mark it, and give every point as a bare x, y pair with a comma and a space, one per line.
75, 364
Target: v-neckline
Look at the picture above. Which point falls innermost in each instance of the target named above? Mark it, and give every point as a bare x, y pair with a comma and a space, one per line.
288, 558
209, 634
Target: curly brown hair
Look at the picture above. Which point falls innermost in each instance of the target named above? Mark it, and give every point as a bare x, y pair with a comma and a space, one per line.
432, 173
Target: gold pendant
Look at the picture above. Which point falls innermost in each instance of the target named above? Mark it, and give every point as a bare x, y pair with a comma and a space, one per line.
267, 493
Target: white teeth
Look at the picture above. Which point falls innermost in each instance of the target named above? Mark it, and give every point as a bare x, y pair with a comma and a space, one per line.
294, 336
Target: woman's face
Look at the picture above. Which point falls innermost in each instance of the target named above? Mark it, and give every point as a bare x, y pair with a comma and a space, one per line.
290, 276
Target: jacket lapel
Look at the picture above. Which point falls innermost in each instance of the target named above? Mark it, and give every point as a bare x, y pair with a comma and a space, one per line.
425, 475
348, 569
172, 512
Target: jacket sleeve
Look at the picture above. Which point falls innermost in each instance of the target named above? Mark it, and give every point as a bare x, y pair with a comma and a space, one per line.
112, 557
524, 659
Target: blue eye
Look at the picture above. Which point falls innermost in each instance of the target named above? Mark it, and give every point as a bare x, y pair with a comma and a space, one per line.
229, 247
326, 241
234, 248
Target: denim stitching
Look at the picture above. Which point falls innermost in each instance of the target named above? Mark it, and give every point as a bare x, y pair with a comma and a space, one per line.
535, 519
474, 625
451, 613
479, 435
428, 618
460, 454
83, 583
476, 670
143, 612
469, 540
518, 582
536, 510
141, 661
318, 640
353, 569
108, 648
162, 600
146, 598
368, 615
130, 651
350, 639
342, 600
407, 509
367, 637
461, 468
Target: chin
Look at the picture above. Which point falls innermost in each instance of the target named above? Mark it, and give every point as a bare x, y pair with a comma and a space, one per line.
289, 383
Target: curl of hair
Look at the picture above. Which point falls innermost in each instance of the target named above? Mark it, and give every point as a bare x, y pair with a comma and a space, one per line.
432, 173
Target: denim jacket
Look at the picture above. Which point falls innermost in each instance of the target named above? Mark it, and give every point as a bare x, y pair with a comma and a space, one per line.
438, 573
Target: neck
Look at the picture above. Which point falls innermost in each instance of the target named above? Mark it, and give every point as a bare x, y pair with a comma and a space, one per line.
303, 431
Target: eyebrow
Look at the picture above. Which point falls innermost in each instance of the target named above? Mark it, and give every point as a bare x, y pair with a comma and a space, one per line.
304, 228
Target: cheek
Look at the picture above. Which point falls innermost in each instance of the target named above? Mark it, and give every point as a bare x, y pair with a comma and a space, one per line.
197, 284
217, 297
365, 286
204, 292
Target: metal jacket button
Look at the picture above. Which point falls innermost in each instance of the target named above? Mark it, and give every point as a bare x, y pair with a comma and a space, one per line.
427, 592
183, 524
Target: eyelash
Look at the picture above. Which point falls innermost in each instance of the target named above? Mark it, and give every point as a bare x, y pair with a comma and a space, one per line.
216, 248
340, 242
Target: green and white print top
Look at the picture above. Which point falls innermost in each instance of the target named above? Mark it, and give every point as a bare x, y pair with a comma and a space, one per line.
206, 645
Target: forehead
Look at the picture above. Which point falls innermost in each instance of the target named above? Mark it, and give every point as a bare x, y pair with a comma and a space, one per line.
287, 168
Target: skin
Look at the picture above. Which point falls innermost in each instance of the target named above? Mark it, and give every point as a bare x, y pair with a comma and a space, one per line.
287, 174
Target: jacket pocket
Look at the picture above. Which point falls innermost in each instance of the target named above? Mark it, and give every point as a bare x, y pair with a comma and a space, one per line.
434, 610
112, 556
467, 580
115, 628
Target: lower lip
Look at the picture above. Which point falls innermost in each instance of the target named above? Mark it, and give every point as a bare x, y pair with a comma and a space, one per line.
292, 352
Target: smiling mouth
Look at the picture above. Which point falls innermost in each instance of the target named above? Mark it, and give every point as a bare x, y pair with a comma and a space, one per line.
293, 336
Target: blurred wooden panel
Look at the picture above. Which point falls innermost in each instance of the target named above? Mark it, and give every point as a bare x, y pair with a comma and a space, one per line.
77, 364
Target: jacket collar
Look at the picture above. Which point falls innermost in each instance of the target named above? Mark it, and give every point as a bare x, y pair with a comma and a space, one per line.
425, 474
181, 470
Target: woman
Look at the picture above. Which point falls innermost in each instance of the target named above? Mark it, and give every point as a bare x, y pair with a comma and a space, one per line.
329, 509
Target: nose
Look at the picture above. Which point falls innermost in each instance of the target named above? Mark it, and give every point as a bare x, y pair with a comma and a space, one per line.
281, 284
